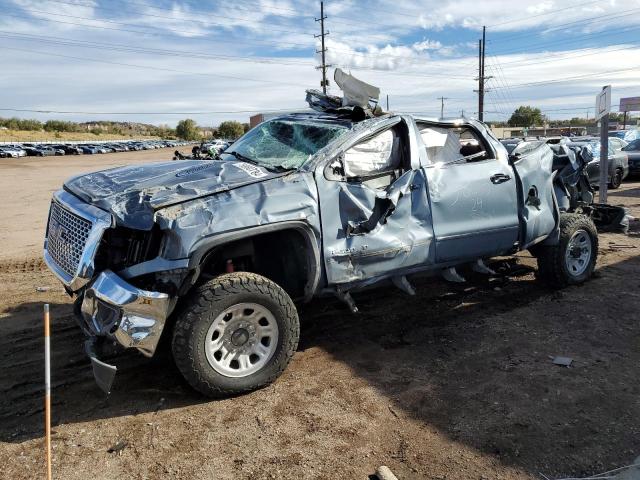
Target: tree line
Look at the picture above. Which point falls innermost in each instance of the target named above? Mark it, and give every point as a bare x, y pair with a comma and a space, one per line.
186, 129
98, 127
527, 116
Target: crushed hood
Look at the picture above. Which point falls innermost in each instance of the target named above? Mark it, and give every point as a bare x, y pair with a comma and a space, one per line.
134, 193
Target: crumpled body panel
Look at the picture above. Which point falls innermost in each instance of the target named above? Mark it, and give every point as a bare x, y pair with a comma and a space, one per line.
363, 240
133, 193
281, 199
536, 182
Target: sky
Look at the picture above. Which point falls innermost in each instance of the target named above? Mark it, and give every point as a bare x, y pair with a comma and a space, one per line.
158, 61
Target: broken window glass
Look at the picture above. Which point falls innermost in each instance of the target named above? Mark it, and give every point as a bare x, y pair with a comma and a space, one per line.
286, 143
443, 145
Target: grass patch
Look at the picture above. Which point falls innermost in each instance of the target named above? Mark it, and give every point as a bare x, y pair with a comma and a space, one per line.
19, 136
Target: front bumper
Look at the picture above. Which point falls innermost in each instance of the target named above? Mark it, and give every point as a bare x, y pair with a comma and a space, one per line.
115, 309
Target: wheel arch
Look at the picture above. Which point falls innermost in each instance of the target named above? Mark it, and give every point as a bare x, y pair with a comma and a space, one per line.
296, 235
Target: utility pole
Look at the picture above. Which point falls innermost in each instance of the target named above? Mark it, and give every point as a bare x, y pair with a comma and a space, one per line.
388, 103
482, 78
324, 83
480, 83
442, 99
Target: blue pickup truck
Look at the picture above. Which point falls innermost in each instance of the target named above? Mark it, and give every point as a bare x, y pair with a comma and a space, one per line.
216, 253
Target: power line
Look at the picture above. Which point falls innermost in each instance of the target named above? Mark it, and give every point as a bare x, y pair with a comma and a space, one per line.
183, 53
575, 39
153, 113
567, 56
522, 19
178, 32
52, 40
581, 23
232, 77
164, 29
115, 46
560, 80
205, 22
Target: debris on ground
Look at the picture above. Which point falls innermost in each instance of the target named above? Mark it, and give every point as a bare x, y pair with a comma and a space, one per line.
385, 473
563, 361
118, 447
43, 289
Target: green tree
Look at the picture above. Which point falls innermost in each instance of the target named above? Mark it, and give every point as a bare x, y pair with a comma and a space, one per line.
246, 127
526, 116
230, 129
187, 129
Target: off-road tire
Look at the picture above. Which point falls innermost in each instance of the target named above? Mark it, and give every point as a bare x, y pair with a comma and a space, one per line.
200, 310
616, 180
552, 266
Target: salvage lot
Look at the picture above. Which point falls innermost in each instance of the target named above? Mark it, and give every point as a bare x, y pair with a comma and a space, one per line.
454, 383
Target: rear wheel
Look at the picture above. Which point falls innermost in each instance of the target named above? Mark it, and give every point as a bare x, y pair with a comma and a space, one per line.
573, 260
237, 333
616, 179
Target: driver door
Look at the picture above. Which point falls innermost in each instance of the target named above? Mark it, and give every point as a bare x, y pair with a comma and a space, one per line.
374, 210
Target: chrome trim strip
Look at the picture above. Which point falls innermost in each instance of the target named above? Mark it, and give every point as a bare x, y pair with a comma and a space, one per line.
100, 220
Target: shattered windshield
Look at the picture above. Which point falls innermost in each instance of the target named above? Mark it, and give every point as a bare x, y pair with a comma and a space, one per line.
285, 144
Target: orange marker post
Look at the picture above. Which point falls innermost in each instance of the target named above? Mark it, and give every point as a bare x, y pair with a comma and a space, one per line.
47, 390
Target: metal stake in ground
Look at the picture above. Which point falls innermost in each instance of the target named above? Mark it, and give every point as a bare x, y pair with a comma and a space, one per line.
47, 391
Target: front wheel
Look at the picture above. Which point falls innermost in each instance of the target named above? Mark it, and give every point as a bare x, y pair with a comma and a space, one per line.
237, 333
573, 260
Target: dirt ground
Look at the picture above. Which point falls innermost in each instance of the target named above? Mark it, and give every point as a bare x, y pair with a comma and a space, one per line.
456, 383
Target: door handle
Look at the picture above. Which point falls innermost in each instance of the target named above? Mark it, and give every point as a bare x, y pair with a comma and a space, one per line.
499, 178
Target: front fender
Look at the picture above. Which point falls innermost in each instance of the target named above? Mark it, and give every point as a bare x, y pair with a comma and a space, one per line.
204, 246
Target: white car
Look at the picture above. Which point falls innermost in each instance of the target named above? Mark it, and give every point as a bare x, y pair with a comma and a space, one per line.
11, 151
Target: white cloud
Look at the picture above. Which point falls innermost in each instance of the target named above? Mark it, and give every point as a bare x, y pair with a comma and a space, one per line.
366, 39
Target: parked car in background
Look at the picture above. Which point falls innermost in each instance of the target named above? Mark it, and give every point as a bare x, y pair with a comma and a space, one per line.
556, 140
39, 151
618, 161
117, 147
617, 143
627, 135
47, 149
633, 152
69, 149
12, 151
511, 143
88, 149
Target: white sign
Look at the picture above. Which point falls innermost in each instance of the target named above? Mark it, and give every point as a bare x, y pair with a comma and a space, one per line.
603, 102
253, 170
630, 104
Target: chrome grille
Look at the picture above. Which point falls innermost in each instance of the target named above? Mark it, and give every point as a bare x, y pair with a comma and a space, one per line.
66, 238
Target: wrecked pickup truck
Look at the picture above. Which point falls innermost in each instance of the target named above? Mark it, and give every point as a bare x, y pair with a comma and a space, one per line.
214, 253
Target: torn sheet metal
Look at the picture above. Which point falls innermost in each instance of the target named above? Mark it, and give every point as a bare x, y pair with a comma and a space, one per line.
356, 92
401, 240
535, 183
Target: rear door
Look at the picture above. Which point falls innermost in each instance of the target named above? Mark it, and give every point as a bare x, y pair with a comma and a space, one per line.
473, 200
